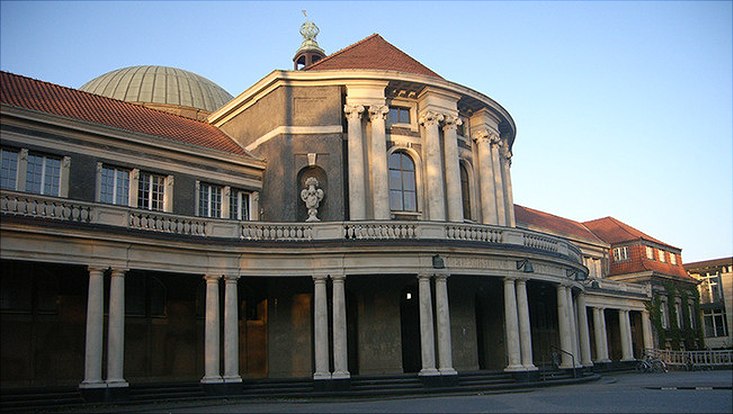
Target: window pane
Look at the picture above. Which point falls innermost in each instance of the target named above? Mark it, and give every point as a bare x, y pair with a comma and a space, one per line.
394, 161
34, 174
52, 176
395, 200
8, 169
408, 181
410, 204
395, 180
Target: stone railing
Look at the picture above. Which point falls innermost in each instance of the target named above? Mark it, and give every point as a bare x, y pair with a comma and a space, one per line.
617, 286
21, 204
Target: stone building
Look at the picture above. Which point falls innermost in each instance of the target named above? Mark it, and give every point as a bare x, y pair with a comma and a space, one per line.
715, 279
351, 217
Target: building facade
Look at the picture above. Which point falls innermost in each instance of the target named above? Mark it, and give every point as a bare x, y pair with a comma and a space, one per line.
715, 285
353, 217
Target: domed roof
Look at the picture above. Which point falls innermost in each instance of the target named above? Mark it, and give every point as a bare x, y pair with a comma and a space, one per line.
159, 85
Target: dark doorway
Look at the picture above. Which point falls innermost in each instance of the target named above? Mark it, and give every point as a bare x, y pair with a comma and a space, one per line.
352, 332
410, 326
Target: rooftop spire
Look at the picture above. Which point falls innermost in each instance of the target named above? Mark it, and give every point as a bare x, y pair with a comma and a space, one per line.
309, 52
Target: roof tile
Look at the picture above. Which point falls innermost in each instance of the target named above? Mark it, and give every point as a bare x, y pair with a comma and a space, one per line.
23, 92
375, 53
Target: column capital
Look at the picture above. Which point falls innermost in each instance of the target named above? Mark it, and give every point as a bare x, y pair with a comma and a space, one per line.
451, 122
430, 118
119, 272
320, 278
424, 276
93, 268
211, 278
506, 152
231, 278
378, 112
353, 111
441, 276
338, 277
486, 135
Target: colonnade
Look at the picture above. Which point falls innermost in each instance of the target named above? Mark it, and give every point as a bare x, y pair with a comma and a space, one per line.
435, 329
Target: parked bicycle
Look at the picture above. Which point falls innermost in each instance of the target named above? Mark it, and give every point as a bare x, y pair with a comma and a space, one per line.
651, 364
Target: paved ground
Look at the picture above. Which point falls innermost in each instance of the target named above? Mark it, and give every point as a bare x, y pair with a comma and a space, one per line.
674, 392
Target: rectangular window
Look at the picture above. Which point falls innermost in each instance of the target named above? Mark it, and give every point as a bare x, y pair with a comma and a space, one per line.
44, 175
239, 204
398, 115
673, 258
115, 186
678, 311
665, 316
620, 254
151, 188
715, 323
661, 255
210, 200
8, 169
691, 314
649, 253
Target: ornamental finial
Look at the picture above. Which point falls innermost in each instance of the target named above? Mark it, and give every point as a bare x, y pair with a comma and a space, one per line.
309, 31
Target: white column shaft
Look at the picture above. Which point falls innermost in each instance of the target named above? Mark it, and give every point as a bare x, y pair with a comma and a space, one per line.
564, 326
94, 332
509, 199
486, 182
585, 354
211, 332
378, 161
116, 333
599, 328
340, 351
625, 327
445, 352
498, 184
320, 328
525, 330
231, 330
646, 327
427, 336
357, 206
512, 327
573, 327
434, 168
452, 171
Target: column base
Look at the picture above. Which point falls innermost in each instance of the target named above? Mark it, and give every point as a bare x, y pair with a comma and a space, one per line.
92, 384
428, 372
118, 383
340, 375
514, 368
628, 359
214, 379
322, 376
448, 371
602, 361
232, 379
530, 367
587, 364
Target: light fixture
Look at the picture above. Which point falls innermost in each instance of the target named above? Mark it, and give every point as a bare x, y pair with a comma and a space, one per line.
525, 265
408, 296
438, 262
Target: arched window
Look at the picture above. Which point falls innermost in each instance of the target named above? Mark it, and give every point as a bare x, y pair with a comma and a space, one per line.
402, 193
465, 192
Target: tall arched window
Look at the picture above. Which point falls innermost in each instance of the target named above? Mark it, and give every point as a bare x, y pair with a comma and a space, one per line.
402, 193
465, 192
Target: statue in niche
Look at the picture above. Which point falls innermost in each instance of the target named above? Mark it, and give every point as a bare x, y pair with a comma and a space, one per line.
312, 196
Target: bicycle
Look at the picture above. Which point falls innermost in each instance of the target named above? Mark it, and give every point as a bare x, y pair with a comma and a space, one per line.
651, 364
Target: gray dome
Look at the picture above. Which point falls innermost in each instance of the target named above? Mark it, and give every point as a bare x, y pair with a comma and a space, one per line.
159, 85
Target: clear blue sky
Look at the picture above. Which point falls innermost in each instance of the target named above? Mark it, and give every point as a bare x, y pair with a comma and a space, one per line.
623, 109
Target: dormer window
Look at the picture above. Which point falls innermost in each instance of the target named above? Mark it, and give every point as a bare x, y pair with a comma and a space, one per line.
620, 254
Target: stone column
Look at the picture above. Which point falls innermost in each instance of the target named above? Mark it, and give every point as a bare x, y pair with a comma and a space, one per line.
320, 328
563, 320
512, 326
506, 155
212, 362
599, 328
525, 331
357, 191
573, 327
434, 167
116, 334
442, 311
646, 327
625, 327
378, 161
340, 350
486, 181
452, 171
94, 334
231, 330
585, 357
427, 336
498, 182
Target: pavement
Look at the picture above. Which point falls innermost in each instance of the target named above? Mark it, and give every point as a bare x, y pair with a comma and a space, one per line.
631, 392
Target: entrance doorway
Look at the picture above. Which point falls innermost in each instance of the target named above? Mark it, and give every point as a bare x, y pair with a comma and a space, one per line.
410, 323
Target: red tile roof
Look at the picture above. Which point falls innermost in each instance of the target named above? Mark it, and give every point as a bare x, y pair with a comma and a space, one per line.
614, 231
549, 223
23, 92
372, 53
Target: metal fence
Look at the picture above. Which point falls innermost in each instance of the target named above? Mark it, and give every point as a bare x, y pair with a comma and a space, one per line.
693, 359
